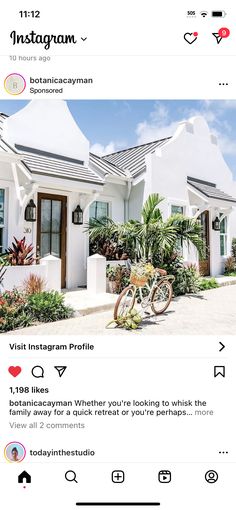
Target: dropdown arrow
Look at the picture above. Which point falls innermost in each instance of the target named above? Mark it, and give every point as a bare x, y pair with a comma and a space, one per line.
83, 38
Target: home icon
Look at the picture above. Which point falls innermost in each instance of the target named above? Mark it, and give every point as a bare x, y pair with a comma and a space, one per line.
24, 477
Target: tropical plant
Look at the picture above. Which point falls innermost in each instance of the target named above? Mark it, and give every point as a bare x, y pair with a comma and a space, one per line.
34, 284
234, 248
4, 259
186, 276
118, 277
20, 254
208, 283
230, 265
48, 306
153, 238
13, 311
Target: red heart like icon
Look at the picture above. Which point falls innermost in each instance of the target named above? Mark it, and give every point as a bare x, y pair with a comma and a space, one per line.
14, 371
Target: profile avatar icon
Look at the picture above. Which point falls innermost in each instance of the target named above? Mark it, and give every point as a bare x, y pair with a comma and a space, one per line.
14, 84
14, 452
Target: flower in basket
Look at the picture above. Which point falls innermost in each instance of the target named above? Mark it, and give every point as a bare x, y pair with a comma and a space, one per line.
141, 272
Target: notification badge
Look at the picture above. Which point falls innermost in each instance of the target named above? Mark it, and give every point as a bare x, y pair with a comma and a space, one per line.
223, 33
14, 84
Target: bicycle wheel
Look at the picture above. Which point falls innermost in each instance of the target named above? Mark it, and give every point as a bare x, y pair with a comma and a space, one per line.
125, 302
161, 297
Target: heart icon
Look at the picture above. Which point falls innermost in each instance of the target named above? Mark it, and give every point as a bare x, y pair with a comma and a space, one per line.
14, 371
190, 37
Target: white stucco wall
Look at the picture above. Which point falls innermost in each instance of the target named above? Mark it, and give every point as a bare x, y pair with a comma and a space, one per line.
49, 126
136, 201
114, 194
193, 152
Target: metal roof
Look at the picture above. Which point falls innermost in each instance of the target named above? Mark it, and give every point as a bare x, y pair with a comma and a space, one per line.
209, 189
106, 167
2, 118
60, 168
133, 159
53, 165
126, 163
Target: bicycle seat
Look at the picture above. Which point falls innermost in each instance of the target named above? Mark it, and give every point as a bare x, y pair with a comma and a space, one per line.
162, 272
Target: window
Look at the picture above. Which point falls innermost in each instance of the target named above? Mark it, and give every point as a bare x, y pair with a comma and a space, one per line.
98, 210
1, 218
178, 209
223, 236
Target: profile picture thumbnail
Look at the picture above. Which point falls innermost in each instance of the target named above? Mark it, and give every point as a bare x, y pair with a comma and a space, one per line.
14, 452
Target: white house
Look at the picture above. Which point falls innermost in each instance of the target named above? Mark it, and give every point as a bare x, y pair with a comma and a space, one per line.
45, 158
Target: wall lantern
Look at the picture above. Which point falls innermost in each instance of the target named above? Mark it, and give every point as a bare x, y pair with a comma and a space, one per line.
77, 216
216, 224
30, 211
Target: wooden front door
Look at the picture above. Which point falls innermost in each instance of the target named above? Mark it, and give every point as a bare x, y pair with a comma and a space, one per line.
204, 264
51, 229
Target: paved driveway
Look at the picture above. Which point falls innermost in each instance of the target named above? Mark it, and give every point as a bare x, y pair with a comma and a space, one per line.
211, 312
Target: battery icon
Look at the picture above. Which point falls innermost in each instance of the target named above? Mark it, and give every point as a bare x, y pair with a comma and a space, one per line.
218, 14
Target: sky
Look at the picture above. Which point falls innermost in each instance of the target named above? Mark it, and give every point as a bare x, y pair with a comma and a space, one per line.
115, 125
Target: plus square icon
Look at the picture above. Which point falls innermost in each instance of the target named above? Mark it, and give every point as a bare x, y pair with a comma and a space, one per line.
118, 476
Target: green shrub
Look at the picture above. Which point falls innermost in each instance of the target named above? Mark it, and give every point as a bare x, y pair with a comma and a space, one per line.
208, 283
48, 307
234, 248
186, 276
119, 275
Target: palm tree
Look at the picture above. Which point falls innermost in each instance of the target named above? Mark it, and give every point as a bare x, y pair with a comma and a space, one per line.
153, 237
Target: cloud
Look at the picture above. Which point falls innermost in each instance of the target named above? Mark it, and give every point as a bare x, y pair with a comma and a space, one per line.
102, 150
160, 123
163, 121
157, 126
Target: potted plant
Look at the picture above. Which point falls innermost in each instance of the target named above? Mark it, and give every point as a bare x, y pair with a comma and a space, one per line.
141, 272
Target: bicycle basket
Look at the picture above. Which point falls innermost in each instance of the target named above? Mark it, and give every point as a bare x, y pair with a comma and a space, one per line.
139, 281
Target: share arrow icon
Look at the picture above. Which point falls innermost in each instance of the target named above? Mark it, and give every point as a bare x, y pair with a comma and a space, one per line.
217, 36
60, 370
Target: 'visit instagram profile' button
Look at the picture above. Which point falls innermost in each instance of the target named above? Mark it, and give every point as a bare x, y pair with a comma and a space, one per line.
14, 84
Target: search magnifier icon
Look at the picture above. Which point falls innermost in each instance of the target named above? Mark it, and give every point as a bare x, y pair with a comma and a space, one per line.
70, 476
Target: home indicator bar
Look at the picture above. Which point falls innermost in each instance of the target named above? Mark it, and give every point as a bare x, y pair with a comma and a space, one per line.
119, 504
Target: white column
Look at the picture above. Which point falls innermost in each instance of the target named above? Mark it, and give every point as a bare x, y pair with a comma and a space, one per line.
96, 274
53, 272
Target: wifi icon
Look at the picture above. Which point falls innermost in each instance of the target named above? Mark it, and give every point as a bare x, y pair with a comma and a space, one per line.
204, 14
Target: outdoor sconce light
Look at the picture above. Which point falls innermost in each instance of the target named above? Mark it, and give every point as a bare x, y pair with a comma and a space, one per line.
216, 224
30, 211
77, 216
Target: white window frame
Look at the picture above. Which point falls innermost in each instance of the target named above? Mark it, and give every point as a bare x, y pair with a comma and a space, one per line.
105, 202
176, 205
179, 203
225, 236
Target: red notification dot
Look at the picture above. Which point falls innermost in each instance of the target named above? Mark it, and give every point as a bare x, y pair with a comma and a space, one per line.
195, 34
224, 32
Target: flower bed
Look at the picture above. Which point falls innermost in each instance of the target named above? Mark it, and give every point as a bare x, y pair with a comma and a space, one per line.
19, 309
